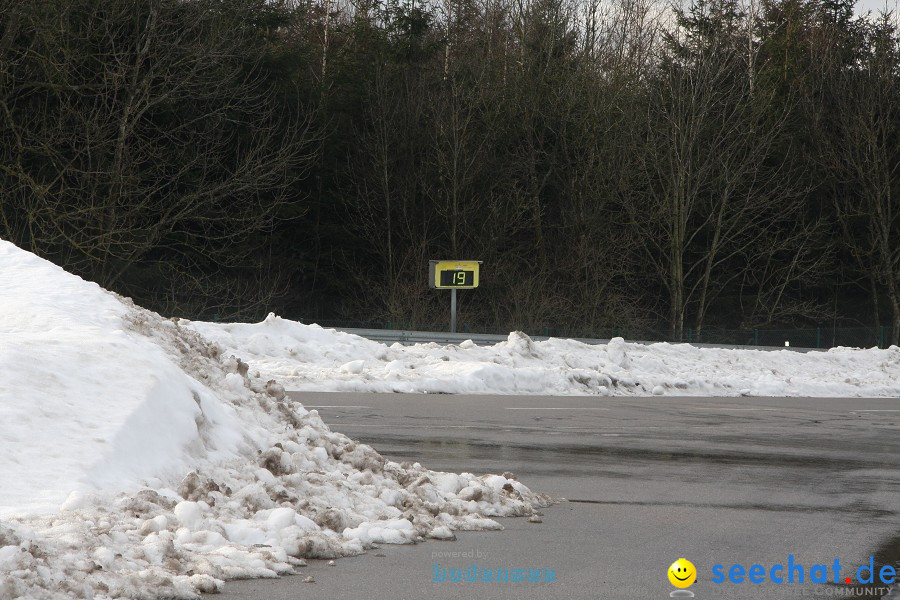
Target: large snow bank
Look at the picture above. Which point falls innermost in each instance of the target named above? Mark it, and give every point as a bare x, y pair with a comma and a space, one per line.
139, 459
307, 357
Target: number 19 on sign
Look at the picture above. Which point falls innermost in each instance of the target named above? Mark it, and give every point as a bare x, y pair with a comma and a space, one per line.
453, 275
457, 279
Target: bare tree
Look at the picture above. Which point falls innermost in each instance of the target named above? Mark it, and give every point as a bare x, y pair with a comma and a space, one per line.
863, 150
136, 132
713, 188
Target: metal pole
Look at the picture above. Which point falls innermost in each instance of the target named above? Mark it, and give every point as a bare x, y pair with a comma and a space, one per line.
453, 310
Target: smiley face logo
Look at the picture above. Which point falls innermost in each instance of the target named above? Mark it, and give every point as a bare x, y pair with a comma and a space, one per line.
682, 573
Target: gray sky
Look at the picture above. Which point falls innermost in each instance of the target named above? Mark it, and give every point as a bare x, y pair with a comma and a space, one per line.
874, 5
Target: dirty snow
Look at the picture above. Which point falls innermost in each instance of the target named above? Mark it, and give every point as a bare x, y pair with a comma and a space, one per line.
140, 459
308, 357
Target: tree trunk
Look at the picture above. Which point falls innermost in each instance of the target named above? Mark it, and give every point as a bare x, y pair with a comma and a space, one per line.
895, 313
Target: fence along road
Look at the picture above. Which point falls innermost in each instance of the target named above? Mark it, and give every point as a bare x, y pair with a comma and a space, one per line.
486, 339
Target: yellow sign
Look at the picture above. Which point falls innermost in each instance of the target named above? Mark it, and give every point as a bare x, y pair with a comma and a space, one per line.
453, 274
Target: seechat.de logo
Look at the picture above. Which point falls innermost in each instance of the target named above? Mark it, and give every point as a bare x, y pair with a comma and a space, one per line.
682, 573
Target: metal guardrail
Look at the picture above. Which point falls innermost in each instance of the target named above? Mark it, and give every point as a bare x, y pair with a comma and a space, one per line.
486, 339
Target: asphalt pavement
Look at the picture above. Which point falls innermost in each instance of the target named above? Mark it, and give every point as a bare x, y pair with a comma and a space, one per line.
641, 482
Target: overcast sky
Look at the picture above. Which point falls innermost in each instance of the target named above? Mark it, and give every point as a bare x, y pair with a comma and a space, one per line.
874, 5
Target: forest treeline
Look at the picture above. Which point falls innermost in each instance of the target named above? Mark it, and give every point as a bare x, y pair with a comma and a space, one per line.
615, 163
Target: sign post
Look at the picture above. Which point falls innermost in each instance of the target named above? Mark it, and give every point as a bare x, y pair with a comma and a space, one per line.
453, 275
453, 310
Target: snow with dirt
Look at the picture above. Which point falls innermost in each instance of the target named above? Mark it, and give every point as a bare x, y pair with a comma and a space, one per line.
139, 459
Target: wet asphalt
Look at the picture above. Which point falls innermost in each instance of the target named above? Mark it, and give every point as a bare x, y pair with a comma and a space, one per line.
640, 482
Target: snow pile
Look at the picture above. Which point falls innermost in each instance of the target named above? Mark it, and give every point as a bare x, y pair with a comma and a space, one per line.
139, 459
307, 357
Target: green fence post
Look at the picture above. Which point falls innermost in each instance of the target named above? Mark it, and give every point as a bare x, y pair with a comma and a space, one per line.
881, 336
818, 337
756, 337
690, 335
